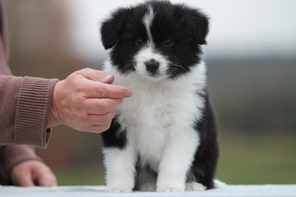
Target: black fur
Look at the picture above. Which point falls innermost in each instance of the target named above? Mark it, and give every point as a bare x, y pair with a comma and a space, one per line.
206, 158
187, 27
115, 136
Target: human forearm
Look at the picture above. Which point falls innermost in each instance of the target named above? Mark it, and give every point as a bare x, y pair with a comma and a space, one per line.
25, 105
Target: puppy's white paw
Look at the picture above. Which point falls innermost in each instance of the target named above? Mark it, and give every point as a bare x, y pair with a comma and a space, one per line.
148, 187
169, 184
194, 186
219, 184
171, 187
119, 189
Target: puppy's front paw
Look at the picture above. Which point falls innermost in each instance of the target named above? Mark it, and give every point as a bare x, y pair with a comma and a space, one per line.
119, 189
148, 187
170, 184
170, 189
194, 186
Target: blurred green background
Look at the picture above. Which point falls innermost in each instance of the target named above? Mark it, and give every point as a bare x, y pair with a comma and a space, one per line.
254, 97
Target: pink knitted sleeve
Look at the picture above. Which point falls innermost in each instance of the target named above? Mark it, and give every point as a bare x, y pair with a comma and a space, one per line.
25, 105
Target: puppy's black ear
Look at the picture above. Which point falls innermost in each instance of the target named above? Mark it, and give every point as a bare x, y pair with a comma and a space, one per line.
199, 25
111, 29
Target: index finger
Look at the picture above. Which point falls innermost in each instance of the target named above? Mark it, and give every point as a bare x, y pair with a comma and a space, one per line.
103, 90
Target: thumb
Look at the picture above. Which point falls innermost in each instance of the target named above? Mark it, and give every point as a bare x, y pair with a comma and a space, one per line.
96, 75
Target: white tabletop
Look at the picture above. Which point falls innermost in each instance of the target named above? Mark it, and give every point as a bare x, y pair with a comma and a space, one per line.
98, 191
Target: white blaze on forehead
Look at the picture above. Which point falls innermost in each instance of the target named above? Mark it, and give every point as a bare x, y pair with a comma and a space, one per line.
148, 52
147, 20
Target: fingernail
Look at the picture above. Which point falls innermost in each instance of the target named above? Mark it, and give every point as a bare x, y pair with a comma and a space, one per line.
128, 93
107, 77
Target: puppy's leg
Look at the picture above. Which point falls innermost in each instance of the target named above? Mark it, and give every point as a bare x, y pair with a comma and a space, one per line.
120, 166
177, 158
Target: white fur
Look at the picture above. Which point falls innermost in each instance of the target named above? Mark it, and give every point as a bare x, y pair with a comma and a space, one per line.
158, 119
147, 21
219, 184
120, 169
194, 186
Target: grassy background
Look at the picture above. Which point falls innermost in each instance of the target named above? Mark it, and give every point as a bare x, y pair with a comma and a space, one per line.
264, 159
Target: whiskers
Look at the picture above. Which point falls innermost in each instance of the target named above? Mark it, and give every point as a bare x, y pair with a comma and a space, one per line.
128, 67
175, 70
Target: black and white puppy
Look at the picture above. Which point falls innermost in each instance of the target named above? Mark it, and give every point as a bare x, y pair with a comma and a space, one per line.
164, 137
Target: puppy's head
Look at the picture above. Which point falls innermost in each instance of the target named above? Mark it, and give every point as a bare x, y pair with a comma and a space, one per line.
155, 39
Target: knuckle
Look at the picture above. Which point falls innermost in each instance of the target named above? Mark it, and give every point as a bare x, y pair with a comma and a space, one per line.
102, 91
86, 69
104, 107
85, 124
99, 129
103, 120
112, 115
105, 127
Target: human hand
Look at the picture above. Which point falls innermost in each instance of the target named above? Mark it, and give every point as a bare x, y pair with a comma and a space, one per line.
86, 101
32, 173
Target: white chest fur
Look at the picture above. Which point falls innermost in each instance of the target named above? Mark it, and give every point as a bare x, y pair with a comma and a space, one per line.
159, 110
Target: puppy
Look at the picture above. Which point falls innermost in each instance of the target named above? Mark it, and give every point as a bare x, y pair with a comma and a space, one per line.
164, 137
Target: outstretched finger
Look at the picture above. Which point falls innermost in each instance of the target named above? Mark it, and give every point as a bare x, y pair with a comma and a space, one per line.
103, 90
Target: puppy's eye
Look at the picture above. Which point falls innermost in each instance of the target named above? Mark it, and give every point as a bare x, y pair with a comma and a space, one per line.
168, 42
139, 42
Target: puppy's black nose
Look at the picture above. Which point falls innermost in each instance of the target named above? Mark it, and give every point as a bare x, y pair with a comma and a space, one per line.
152, 65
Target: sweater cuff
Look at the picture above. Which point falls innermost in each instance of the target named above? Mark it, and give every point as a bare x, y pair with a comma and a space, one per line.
11, 156
33, 107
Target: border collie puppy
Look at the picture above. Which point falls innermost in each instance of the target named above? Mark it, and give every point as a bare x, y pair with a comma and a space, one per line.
163, 138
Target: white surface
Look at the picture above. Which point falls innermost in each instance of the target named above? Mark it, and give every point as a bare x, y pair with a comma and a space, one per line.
98, 191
